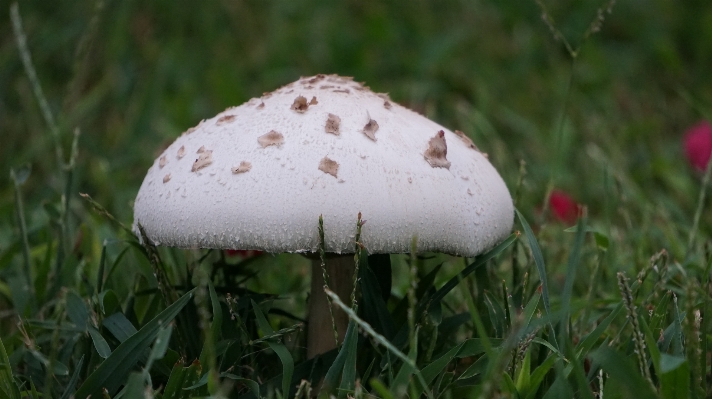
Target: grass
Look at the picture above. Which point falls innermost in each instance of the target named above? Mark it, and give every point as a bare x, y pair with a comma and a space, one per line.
587, 101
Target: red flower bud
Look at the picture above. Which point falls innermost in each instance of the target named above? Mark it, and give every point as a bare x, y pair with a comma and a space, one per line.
563, 207
698, 145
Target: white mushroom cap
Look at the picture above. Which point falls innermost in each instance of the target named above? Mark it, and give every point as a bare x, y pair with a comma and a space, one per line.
259, 175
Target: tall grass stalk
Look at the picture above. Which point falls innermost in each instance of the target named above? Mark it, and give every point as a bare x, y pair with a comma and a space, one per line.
325, 276
26, 57
380, 339
22, 225
638, 337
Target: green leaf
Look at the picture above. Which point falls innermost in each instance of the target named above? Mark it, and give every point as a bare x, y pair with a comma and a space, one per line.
338, 366
524, 373
109, 302
400, 383
215, 327
69, 390
433, 369
538, 375
587, 343
624, 370
112, 371
174, 386
675, 377
540, 267
250, 384
102, 348
538, 259
8, 388
509, 386
135, 387
119, 326
284, 356
375, 311
651, 343
602, 241
160, 346
348, 378
77, 310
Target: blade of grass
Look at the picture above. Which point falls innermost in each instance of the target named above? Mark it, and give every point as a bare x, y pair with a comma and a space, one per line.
337, 367
621, 368
540, 267
380, 339
284, 356
112, 371
674, 377
21, 40
571, 269
18, 178
69, 390
7, 382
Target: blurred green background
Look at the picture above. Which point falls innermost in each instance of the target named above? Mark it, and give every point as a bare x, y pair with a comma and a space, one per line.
493, 69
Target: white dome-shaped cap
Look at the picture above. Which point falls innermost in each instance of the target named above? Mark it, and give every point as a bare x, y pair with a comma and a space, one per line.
259, 175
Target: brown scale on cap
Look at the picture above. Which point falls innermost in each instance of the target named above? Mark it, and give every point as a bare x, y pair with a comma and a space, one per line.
347, 91
329, 166
225, 119
387, 104
315, 79
437, 151
466, 140
166, 178
333, 123
204, 159
262, 105
313, 101
162, 162
271, 138
300, 104
181, 152
324, 87
200, 150
242, 168
370, 129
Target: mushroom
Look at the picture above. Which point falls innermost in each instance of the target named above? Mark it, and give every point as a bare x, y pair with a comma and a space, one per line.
413, 178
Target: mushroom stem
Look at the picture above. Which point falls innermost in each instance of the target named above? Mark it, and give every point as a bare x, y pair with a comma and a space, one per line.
320, 332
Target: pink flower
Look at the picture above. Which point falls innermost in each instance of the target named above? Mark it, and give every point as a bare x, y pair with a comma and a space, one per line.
563, 207
698, 145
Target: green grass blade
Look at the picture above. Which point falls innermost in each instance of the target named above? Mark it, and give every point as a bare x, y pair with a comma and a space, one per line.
7, 383
538, 260
337, 367
119, 326
69, 390
480, 260
433, 369
348, 378
111, 373
571, 269
624, 370
77, 310
174, 386
284, 356
587, 343
375, 311
379, 338
674, 377
537, 376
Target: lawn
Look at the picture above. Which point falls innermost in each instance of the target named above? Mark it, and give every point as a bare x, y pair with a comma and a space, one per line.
593, 112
